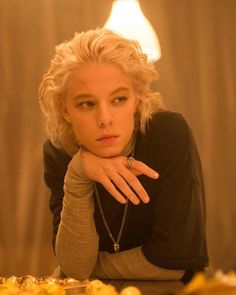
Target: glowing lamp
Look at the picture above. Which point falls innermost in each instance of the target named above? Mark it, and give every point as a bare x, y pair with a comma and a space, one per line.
127, 19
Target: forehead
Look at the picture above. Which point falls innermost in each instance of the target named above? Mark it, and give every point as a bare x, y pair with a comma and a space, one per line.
98, 77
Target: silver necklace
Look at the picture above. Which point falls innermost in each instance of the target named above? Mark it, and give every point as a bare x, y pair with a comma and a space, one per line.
116, 245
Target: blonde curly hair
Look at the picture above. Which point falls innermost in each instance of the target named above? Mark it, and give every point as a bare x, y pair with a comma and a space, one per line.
95, 46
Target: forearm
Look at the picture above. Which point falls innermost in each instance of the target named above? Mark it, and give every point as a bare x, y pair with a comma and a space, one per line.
77, 239
132, 265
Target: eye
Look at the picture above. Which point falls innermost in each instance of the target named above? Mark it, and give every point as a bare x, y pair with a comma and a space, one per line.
86, 104
119, 100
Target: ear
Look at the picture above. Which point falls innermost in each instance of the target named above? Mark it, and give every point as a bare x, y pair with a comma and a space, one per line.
64, 111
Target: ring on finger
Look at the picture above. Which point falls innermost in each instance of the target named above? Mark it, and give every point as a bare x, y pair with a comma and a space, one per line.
130, 161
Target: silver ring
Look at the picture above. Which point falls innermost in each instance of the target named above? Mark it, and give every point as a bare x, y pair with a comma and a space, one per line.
130, 161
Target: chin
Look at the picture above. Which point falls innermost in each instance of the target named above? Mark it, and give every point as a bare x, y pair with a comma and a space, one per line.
109, 152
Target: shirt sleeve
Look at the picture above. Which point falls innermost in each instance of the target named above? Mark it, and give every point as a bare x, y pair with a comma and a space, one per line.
131, 265
178, 234
55, 166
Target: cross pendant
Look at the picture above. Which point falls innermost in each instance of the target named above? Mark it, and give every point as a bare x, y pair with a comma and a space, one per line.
116, 247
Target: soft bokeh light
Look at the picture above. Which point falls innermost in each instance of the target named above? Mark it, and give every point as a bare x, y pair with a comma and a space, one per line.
127, 19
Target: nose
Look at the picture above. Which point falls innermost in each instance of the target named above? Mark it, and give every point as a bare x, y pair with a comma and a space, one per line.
104, 116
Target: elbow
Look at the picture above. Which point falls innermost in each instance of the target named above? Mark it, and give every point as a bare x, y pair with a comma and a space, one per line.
77, 274
76, 265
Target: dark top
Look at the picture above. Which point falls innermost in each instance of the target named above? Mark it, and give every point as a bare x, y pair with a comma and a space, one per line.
171, 227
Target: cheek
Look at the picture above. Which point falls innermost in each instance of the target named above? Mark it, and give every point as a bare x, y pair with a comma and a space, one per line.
81, 134
77, 127
128, 122
82, 129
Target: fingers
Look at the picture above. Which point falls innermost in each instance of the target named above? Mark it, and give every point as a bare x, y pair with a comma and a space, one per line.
119, 176
133, 189
138, 167
125, 183
109, 186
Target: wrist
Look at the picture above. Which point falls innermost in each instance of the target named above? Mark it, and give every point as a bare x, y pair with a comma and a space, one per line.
76, 181
76, 167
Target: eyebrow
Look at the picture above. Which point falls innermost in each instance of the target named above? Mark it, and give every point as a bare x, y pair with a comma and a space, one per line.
88, 95
120, 89
83, 95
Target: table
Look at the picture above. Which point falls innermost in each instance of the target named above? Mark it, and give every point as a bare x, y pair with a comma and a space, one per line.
150, 287
146, 287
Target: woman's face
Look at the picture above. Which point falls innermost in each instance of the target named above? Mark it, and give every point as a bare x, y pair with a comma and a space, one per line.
100, 104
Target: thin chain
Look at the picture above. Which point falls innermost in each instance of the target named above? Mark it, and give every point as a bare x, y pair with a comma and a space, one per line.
116, 244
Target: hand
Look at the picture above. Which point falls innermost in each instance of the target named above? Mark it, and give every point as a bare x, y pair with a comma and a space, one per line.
114, 172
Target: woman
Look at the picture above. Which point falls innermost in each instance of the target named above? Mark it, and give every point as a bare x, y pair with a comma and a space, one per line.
133, 200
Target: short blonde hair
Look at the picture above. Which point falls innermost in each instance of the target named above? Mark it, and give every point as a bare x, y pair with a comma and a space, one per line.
95, 46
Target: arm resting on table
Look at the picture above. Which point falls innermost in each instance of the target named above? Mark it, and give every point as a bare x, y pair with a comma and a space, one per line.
77, 239
132, 265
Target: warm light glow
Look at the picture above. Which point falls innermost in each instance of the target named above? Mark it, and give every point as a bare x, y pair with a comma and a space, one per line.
127, 19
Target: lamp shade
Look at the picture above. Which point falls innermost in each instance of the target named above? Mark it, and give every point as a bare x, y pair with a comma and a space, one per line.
127, 19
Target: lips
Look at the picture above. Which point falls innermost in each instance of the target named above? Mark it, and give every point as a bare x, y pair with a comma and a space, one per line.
107, 137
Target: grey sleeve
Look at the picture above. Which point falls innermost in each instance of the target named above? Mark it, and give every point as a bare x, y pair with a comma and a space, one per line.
131, 265
77, 240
